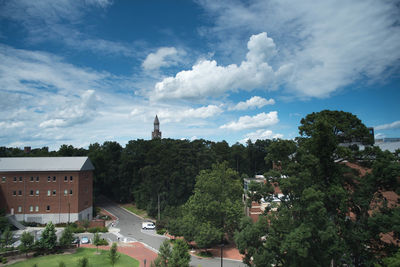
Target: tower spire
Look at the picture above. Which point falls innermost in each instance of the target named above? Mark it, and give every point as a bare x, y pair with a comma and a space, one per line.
156, 134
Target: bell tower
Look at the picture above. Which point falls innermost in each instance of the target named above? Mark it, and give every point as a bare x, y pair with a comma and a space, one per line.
156, 134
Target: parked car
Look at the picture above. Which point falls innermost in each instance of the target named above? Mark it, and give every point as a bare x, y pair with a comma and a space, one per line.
148, 226
75, 241
85, 240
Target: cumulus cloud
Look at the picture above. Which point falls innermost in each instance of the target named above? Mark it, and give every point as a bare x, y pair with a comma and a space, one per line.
324, 45
261, 134
178, 114
207, 78
393, 125
164, 57
74, 112
258, 121
252, 103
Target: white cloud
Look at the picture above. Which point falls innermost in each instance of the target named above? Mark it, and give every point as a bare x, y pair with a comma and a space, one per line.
261, 134
258, 121
254, 102
325, 45
75, 112
159, 58
207, 78
8, 125
393, 125
169, 114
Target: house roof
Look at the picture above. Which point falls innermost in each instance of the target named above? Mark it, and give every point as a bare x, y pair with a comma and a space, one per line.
46, 164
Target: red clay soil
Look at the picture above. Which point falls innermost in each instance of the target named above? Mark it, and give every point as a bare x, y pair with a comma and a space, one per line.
134, 250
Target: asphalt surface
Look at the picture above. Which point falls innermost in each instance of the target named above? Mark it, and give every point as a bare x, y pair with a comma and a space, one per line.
128, 228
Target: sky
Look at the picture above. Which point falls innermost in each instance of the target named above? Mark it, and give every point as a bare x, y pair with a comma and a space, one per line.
81, 72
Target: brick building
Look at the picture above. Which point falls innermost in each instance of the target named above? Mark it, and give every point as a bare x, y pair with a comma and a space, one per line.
43, 189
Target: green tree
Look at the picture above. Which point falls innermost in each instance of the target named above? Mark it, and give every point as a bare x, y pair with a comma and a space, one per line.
6, 237
215, 207
180, 256
312, 226
86, 224
27, 240
48, 239
164, 253
113, 254
67, 237
96, 240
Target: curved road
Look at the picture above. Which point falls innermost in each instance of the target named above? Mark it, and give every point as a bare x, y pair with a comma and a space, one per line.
130, 227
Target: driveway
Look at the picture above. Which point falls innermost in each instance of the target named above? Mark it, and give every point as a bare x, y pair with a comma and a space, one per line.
129, 229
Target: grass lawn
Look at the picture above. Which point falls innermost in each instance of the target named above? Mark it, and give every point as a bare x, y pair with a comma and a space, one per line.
134, 209
71, 260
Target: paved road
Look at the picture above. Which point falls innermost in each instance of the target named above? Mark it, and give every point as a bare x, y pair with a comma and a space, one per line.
129, 226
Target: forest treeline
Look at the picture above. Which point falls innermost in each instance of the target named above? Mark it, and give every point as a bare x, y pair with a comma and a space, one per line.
144, 170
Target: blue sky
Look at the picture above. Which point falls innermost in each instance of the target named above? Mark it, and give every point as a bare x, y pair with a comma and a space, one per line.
80, 72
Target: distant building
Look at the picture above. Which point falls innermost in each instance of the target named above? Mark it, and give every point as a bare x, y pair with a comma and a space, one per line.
43, 189
156, 134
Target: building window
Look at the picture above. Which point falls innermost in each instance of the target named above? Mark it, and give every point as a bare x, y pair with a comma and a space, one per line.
15, 179
37, 208
66, 179
20, 179
14, 193
48, 208
31, 193
19, 209
37, 178
54, 192
70, 192
65, 192
48, 192
31, 208
54, 178
71, 178
3, 179
48, 178
20, 192
31, 178
37, 192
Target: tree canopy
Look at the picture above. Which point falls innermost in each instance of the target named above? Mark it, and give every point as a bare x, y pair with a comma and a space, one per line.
325, 216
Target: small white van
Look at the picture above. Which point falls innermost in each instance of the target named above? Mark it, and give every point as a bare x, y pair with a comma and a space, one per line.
148, 226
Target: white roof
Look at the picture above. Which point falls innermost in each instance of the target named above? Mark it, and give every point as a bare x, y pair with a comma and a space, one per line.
45, 164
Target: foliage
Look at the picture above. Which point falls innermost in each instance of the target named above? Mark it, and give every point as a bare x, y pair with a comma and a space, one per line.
325, 215
83, 262
27, 241
48, 239
61, 264
86, 224
177, 257
67, 237
6, 237
97, 229
180, 256
113, 254
96, 240
164, 254
215, 207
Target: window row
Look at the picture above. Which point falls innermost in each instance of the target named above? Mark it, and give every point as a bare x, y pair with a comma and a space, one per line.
49, 192
31, 208
36, 178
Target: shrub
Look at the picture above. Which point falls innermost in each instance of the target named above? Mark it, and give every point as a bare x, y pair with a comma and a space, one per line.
98, 229
61, 264
103, 242
83, 262
161, 231
4, 260
78, 230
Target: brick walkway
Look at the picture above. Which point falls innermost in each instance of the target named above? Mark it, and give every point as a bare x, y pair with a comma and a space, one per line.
135, 250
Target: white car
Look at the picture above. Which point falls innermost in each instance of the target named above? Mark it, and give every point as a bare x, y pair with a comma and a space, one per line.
148, 226
85, 240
